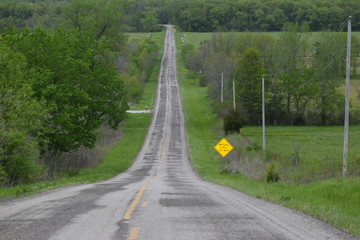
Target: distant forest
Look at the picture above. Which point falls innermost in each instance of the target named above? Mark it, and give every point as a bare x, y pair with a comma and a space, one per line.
197, 15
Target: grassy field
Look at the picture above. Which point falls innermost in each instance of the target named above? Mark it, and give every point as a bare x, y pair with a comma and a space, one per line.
320, 150
157, 37
119, 157
336, 201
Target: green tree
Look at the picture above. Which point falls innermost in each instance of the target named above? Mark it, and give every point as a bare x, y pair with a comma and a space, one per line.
291, 68
20, 121
79, 83
99, 18
248, 84
329, 68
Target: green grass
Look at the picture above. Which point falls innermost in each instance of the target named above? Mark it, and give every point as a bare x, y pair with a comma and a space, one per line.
321, 149
158, 37
336, 201
195, 39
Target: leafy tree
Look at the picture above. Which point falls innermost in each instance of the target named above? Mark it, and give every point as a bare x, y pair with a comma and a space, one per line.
20, 121
291, 68
240, 21
79, 83
248, 83
99, 18
188, 15
329, 67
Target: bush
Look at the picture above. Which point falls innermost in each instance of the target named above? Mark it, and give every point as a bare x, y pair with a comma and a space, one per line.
253, 147
20, 153
133, 89
233, 122
272, 174
3, 177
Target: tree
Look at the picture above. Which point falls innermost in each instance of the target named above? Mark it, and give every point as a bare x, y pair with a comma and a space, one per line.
99, 18
291, 68
329, 67
79, 83
248, 84
240, 21
20, 121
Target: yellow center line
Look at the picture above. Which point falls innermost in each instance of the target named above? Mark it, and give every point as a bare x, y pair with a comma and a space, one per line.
138, 196
134, 203
134, 233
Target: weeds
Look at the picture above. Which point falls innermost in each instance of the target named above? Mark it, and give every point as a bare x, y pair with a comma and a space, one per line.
272, 174
296, 155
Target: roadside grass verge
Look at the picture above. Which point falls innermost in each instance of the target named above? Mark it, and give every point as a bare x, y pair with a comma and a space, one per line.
336, 201
118, 159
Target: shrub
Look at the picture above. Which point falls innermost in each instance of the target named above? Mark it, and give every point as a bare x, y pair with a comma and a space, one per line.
3, 176
233, 122
133, 88
272, 174
253, 147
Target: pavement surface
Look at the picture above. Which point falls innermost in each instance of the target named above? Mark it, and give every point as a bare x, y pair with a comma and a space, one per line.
159, 197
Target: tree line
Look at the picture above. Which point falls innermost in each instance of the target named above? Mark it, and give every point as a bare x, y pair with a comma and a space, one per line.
131, 16
197, 15
261, 15
60, 86
303, 71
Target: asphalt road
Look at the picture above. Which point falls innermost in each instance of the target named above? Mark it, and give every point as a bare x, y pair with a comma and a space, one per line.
159, 197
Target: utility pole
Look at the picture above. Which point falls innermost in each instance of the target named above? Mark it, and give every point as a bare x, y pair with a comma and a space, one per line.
222, 87
346, 124
263, 111
234, 102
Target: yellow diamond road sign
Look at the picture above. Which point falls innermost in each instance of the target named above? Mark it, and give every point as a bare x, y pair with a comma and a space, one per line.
223, 147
